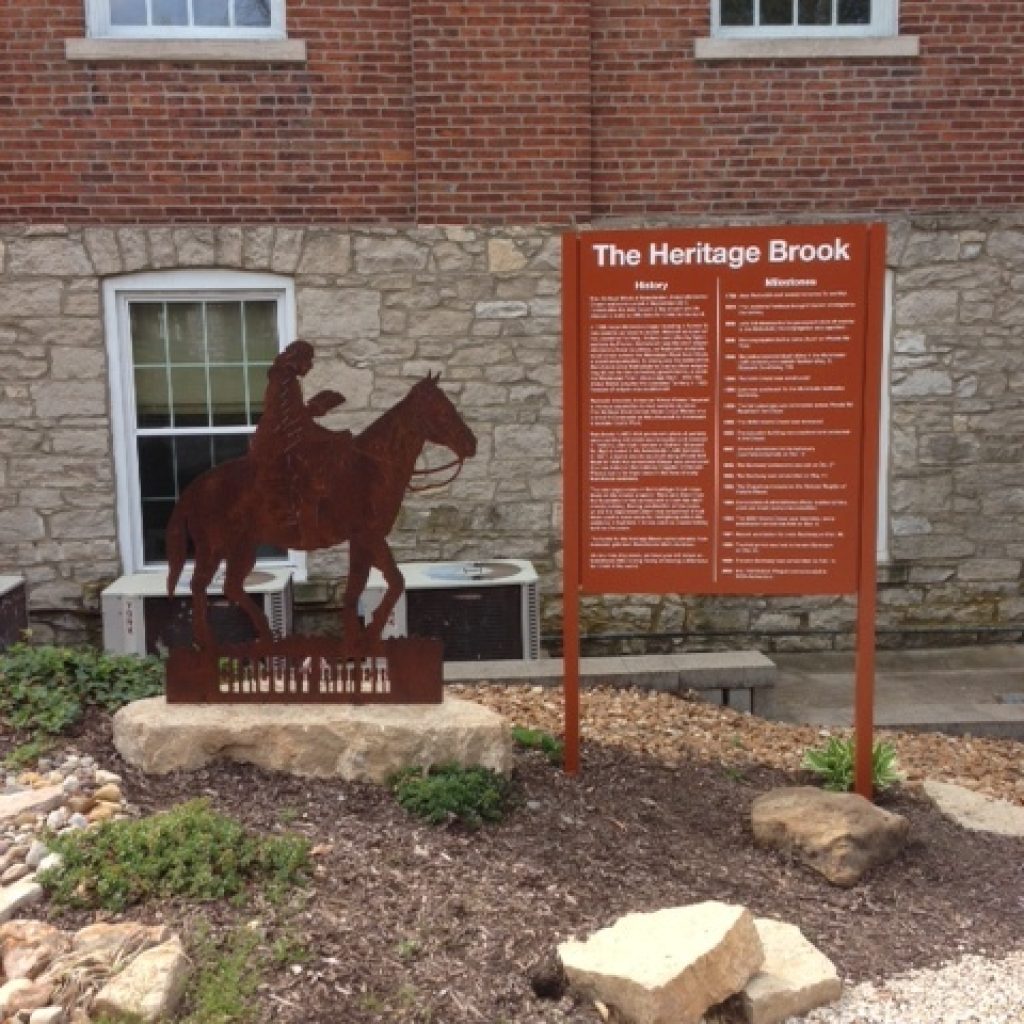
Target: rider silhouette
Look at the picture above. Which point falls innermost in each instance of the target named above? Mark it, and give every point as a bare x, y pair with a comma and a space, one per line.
288, 445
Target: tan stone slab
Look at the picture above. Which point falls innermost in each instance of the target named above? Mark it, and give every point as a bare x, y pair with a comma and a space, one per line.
356, 743
667, 967
975, 811
31, 801
795, 978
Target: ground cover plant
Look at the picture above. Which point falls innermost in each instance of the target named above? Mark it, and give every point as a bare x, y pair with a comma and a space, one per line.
45, 689
447, 793
188, 851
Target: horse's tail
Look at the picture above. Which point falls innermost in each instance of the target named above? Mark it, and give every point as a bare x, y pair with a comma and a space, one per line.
177, 544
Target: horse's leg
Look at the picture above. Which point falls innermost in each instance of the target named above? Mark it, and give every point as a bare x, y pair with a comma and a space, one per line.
202, 573
380, 555
353, 633
239, 564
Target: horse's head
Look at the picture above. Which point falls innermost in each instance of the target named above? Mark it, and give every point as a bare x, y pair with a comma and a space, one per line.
439, 420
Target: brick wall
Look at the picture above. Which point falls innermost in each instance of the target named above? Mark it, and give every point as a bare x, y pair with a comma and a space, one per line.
535, 112
677, 136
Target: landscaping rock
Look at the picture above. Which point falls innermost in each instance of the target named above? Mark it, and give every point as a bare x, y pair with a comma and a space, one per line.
666, 967
974, 811
794, 979
22, 994
48, 1015
13, 806
840, 835
15, 898
365, 744
28, 947
150, 987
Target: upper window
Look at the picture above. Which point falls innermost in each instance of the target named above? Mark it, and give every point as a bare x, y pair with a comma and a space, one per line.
767, 18
198, 19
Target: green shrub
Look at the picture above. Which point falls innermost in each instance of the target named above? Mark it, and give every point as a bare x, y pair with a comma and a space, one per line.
450, 792
45, 689
536, 739
188, 851
834, 764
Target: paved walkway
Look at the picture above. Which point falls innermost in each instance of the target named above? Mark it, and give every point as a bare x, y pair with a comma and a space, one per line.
966, 690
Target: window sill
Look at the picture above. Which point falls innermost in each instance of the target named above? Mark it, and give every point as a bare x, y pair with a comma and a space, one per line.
719, 48
275, 51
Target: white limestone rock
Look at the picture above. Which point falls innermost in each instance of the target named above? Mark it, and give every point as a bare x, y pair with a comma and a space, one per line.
667, 967
356, 743
795, 978
975, 811
150, 987
15, 898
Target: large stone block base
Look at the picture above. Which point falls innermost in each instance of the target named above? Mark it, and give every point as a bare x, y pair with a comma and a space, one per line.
356, 743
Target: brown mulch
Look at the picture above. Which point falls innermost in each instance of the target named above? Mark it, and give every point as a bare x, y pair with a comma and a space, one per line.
410, 923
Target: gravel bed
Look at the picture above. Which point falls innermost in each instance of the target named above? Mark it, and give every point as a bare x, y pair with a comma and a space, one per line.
973, 990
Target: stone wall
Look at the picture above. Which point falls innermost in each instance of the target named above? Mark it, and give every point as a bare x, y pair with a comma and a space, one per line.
384, 306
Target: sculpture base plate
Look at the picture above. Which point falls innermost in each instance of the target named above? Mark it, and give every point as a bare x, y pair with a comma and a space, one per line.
308, 670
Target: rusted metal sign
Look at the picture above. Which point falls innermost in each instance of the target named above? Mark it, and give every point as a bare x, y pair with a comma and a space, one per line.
305, 487
721, 422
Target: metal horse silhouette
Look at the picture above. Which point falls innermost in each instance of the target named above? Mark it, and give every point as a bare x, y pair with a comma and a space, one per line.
305, 487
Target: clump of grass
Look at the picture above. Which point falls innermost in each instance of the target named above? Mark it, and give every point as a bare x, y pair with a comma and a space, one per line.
536, 739
224, 988
449, 792
189, 851
45, 689
834, 764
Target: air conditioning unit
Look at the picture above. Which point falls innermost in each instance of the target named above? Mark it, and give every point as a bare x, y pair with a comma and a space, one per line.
139, 617
481, 611
13, 610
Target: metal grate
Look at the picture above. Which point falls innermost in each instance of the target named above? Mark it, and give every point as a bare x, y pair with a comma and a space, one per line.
473, 623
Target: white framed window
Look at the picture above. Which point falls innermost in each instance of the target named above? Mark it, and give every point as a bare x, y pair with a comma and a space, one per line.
766, 19
186, 19
188, 353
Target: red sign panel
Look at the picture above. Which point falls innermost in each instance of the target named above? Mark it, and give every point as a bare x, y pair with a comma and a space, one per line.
720, 409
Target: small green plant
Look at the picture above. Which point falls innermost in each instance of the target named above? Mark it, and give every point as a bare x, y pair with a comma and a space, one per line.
27, 754
226, 982
188, 851
450, 792
536, 739
45, 689
834, 764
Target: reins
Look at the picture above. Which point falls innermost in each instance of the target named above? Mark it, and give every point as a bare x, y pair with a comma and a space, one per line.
457, 463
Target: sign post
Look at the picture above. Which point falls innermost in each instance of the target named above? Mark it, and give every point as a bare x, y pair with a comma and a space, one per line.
721, 420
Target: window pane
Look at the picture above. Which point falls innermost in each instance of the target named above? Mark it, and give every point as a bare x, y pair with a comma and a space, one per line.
211, 12
152, 400
155, 514
127, 12
737, 12
185, 332
252, 13
257, 388
261, 332
193, 455
156, 467
227, 396
815, 12
854, 12
188, 390
224, 332
776, 12
170, 12
229, 446
147, 333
